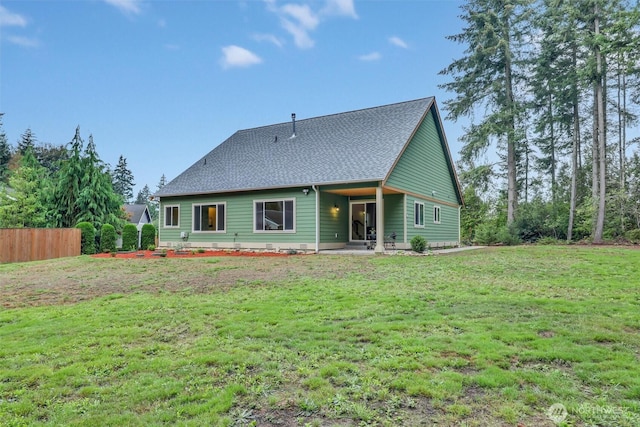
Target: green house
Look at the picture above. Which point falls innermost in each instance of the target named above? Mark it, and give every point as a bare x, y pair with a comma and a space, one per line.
355, 179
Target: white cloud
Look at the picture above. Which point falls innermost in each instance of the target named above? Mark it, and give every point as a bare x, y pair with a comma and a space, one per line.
236, 56
340, 8
300, 35
269, 38
128, 7
10, 19
299, 20
397, 41
23, 41
373, 56
303, 14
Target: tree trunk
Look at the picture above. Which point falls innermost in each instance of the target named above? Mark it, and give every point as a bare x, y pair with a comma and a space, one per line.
574, 152
512, 191
600, 142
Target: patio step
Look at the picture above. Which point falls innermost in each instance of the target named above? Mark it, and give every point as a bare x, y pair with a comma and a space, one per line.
356, 246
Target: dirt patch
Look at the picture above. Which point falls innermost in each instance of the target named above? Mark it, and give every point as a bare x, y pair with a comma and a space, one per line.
188, 254
73, 280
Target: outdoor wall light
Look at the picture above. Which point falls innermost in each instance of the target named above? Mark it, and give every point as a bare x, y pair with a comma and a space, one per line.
305, 191
336, 207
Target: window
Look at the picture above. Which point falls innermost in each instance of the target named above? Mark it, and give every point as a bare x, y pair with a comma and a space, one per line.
274, 215
418, 214
436, 214
209, 217
171, 216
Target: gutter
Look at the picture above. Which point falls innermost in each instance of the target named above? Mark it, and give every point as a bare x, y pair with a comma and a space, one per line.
317, 191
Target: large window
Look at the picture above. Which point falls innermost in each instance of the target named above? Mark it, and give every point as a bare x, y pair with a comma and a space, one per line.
172, 216
436, 214
274, 215
418, 209
209, 217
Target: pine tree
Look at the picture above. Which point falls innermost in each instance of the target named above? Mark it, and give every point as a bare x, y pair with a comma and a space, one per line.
26, 142
123, 180
486, 78
51, 156
5, 153
143, 195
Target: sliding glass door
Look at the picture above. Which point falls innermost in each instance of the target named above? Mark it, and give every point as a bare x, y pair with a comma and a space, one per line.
363, 221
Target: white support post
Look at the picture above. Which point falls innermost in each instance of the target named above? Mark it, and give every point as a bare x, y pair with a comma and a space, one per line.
379, 220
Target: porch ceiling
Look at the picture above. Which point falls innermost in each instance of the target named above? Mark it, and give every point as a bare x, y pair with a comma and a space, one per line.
367, 191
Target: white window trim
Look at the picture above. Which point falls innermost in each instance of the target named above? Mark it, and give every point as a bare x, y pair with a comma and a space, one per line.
274, 231
437, 209
193, 222
416, 204
164, 211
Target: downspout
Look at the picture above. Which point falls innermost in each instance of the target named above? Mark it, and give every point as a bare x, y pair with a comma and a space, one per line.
316, 190
159, 220
459, 232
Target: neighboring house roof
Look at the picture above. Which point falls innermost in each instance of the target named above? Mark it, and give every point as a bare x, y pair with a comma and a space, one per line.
355, 146
136, 212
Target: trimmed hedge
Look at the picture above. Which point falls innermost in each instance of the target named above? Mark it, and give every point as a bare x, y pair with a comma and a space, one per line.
129, 237
108, 238
88, 239
148, 236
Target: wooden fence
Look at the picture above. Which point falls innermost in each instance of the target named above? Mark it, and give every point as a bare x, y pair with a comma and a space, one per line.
32, 244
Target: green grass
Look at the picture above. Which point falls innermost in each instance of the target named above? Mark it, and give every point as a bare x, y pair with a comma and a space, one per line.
486, 337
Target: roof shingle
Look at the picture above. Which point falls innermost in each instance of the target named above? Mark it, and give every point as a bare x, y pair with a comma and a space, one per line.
354, 146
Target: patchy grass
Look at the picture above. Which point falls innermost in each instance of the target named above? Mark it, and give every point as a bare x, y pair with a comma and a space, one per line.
490, 337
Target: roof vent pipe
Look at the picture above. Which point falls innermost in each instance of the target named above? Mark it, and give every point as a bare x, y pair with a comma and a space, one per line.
293, 120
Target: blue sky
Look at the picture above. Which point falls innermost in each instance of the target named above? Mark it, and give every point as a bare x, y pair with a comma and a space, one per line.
163, 82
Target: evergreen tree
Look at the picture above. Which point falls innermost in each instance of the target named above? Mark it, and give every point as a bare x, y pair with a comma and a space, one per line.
26, 142
154, 205
24, 204
83, 190
64, 210
486, 78
51, 156
123, 180
143, 195
97, 201
5, 153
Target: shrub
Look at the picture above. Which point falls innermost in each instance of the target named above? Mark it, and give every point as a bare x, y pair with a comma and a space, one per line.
88, 239
108, 238
418, 244
633, 236
549, 241
148, 236
491, 234
130, 237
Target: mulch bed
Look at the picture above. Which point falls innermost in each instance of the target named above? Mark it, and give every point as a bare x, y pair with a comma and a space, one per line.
189, 254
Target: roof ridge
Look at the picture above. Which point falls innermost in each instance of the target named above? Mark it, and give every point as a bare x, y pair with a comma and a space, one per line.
337, 114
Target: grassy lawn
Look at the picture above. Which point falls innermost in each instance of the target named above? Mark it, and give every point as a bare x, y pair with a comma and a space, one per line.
481, 338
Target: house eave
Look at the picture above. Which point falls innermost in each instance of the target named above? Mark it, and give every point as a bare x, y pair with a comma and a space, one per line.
278, 187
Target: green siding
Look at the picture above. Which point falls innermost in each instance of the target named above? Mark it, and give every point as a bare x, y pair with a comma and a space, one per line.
393, 215
423, 167
446, 232
240, 217
334, 221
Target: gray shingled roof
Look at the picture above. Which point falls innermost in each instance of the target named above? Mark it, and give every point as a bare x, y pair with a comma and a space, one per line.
355, 146
135, 212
